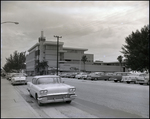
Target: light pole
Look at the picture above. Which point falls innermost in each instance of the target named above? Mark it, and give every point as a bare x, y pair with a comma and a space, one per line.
57, 50
10, 22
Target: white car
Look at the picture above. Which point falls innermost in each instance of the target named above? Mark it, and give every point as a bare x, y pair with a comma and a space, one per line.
81, 75
18, 78
50, 88
131, 78
143, 79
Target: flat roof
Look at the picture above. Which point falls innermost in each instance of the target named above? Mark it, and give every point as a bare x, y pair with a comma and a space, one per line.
33, 46
69, 48
52, 43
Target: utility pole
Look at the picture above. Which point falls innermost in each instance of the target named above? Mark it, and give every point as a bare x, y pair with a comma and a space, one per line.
57, 50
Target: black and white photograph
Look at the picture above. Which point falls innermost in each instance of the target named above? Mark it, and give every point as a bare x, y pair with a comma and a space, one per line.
74, 59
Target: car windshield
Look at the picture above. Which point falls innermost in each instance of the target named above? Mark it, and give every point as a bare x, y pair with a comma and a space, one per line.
17, 75
48, 80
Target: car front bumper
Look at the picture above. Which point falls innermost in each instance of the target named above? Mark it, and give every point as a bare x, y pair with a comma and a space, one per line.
19, 82
58, 98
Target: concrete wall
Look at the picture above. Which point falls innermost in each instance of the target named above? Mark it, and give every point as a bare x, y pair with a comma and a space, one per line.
72, 56
91, 68
30, 61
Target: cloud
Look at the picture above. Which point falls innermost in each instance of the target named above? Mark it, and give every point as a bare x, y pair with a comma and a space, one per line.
99, 26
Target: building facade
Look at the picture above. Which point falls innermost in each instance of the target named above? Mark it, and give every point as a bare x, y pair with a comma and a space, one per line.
69, 58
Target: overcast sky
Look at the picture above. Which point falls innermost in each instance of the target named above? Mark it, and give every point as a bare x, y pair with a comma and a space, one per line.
99, 26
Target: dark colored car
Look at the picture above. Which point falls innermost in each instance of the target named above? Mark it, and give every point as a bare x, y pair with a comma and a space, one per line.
117, 76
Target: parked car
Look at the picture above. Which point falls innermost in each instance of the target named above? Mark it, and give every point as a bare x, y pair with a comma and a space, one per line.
97, 76
64, 75
117, 76
143, 79
131, 78
18, 78
9, 76
89, 75
81, 75
50, 88
73, 75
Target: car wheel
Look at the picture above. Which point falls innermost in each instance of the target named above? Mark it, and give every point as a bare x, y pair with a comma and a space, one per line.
105, 79
13, 84
128, 82
39, 103
115, 80
30, 95
148, 83
68, 102
141, 83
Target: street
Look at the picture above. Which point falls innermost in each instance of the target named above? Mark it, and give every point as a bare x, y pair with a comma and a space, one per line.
102, 99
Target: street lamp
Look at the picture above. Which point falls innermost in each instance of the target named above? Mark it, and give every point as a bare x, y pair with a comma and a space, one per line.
10, 22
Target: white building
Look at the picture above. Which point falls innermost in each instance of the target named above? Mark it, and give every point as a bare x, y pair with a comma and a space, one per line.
69, 58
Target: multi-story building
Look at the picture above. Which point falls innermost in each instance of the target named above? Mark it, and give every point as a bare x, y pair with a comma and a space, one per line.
69, 58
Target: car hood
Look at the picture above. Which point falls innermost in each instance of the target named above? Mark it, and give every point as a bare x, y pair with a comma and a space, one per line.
55, 88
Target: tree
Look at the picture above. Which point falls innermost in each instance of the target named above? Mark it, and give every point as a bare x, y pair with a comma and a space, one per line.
120, 61
84, 59
42, 67
136, 50
15, 62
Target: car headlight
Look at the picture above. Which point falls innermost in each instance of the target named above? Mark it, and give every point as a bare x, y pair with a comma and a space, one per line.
72, 89
43, 91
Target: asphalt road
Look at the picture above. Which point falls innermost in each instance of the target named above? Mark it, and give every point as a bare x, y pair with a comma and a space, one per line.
102, 99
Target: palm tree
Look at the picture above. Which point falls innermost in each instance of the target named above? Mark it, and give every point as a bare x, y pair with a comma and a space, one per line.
84, 59
120, 60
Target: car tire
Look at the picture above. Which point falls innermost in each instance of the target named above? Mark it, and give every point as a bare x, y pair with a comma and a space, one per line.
12, 84
68, 102
128, 82
39, 103
30, 95
148, 83
141, 83
105, 79
115, 81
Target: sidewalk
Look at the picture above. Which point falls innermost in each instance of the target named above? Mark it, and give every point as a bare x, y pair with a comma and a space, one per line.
12, 104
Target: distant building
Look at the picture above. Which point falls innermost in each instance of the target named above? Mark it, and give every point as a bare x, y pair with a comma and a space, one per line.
69, 58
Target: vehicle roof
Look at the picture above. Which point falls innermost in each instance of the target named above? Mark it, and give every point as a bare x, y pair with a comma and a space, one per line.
45, 76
